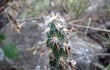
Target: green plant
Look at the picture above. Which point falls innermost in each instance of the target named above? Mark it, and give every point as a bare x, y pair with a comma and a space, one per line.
58, 49
10, 51
2, 37
54, 42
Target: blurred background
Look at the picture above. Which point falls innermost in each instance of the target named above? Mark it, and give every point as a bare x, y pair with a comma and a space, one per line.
21, 31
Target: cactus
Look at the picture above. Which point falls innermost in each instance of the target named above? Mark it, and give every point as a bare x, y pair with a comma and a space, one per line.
58, 49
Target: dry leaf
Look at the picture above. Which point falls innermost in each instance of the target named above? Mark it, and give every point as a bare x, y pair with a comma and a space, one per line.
17, 26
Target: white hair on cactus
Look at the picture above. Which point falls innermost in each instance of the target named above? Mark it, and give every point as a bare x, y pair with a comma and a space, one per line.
55, 16
73, 62
46, 30
50, 18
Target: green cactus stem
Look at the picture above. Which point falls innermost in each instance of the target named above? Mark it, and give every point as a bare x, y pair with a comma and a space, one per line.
58, 50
